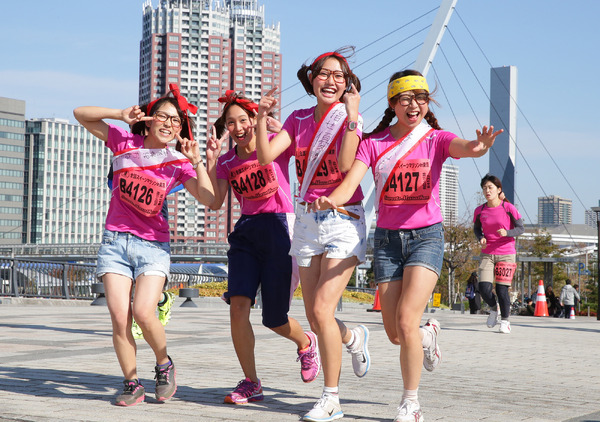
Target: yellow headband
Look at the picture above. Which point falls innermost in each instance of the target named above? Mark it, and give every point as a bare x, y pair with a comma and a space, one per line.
406, 83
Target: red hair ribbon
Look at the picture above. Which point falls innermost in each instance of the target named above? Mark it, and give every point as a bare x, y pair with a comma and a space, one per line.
232, 98
181, 101
330, 53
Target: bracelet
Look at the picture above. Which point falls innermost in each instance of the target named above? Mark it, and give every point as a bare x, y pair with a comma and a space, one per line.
195, 166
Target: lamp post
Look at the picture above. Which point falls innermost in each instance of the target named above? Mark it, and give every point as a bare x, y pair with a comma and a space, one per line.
597, 211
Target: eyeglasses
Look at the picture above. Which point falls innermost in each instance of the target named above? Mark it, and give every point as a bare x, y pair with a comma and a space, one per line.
163, 117
421, 99
338, 76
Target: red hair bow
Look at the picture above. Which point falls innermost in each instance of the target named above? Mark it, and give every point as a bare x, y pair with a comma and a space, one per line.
181, 100
232, 98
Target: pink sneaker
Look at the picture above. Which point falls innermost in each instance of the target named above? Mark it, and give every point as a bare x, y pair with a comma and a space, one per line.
310, 361
245, 392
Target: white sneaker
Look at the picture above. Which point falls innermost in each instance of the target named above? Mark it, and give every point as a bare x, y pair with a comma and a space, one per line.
504, 327
409, 411
361, 360
432, 355
492, 319
327, 408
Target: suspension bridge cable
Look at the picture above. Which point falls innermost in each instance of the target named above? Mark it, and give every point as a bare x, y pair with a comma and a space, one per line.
526, 119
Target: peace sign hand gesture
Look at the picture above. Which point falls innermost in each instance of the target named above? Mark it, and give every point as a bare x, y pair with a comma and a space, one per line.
190, 148
132, 115
214, 145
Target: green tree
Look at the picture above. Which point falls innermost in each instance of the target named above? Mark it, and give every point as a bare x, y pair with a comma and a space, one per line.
459, 246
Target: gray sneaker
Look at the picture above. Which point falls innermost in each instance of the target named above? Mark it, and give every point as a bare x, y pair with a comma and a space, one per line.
165, 382
327, 408
133, 393
361, 360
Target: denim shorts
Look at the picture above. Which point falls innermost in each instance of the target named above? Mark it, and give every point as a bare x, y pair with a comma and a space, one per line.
338, 235
131, 256
259, 257
396, 249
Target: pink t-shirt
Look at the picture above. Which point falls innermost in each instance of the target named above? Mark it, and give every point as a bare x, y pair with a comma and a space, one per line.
301, 125
432, 152
492, 220
259, 189
141, 180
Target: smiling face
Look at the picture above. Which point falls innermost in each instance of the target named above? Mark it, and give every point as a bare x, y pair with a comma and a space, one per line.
410, 115
329, 83
239, 125
161, 133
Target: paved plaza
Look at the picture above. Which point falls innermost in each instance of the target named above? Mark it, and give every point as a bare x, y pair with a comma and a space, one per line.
57, 364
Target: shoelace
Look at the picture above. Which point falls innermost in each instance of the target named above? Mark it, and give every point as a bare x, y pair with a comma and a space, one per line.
306, 359
162, 375
130, 387
244, 388
403, 408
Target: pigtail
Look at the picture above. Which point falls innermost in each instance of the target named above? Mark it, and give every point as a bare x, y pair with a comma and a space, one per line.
432, 120
385, 122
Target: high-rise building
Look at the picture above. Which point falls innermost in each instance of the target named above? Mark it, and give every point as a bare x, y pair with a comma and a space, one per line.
206, 47
554, 210
12, 161
591, 218
449, 193
66, 192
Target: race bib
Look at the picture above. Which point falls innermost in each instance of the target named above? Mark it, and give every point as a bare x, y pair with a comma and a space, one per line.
142, 192
327, 173
253, 181
504, 272
409, 183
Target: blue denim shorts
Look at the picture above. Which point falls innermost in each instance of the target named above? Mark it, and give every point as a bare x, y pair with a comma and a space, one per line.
329, 232
396, 249
131, 256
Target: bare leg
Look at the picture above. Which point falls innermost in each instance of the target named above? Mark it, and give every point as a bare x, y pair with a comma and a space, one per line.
243, 335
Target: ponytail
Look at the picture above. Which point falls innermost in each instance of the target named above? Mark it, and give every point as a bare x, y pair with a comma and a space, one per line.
388, 116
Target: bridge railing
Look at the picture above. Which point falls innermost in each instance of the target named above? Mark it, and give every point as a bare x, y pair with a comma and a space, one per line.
57, 280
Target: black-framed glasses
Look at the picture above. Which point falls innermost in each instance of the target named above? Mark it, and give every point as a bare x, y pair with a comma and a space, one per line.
338, 76
163, 117
422, 98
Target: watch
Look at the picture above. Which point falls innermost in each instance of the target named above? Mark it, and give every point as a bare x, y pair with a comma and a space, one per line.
351, 125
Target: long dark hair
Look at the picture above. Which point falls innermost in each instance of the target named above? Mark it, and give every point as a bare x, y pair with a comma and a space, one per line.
341, 55
389, 113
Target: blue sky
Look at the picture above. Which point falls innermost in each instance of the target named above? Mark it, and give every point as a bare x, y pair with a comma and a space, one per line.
58, 55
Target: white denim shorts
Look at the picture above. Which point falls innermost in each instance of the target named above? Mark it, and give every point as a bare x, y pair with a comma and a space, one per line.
329, 232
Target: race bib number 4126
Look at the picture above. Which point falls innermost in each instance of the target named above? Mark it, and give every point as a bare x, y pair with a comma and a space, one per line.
142, 192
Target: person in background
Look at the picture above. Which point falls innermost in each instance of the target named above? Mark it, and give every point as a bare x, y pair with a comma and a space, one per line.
568, 294
472, 293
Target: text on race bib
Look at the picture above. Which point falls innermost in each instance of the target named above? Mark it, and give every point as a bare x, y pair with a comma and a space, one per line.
253, 181
409, 183
142, 192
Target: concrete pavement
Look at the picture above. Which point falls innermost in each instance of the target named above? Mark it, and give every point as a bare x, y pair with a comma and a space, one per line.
57, 363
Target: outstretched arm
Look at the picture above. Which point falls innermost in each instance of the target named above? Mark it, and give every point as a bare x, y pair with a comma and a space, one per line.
267, 151
92, 118
460, 148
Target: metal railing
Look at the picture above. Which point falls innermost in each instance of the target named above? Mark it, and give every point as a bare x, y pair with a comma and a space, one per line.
57, 280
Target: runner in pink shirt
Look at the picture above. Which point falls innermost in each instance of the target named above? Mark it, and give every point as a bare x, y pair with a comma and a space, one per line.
496, 224
135, 244
406, 159
259, 244
327, 244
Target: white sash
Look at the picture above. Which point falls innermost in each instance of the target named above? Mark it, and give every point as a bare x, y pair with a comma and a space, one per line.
386, 162
329, 127
142, 158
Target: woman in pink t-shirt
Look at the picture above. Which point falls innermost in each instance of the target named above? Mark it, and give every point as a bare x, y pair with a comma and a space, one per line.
259, 244
406, 159
496, 224
327, 244
135, 244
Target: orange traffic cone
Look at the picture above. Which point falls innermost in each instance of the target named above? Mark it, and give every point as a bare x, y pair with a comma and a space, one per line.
376, 304
572, 316
541, 307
